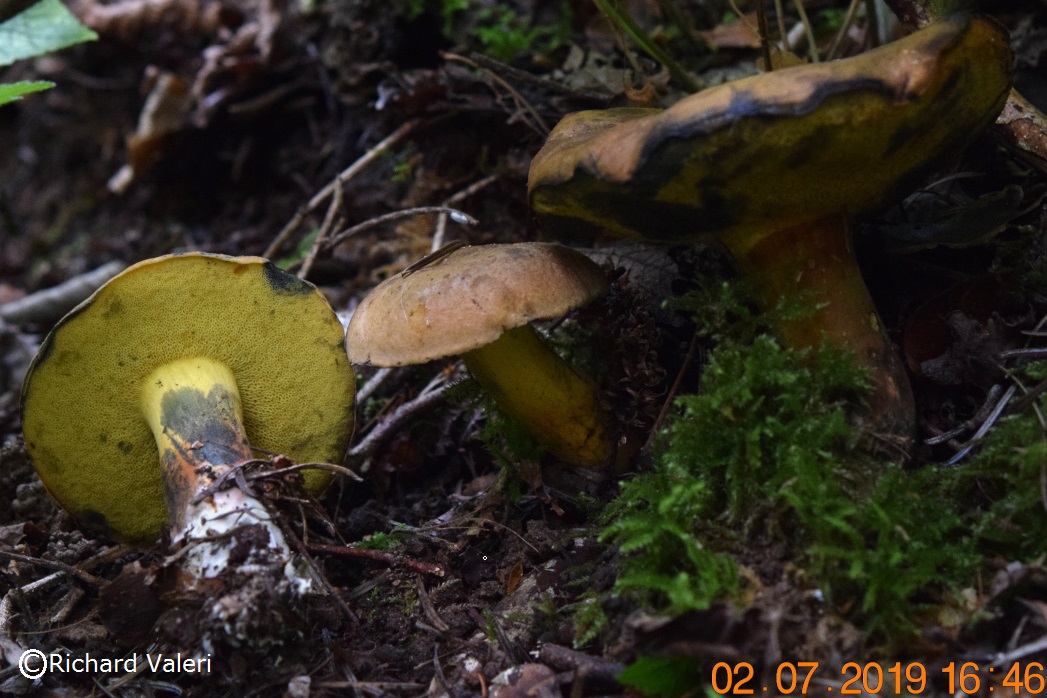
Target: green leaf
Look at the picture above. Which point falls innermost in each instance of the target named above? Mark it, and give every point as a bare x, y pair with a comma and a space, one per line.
669, 677
9, 93
44, 27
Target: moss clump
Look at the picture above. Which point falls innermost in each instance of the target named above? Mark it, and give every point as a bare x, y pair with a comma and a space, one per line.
1004, 486
762, 464
500, 32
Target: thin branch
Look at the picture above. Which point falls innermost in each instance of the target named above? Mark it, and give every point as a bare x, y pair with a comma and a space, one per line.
49, 304
344, 176
812, 44
848, 19
383, 557
455, 215
328, 467
325, 229
55, 565
764, 31
626, 23
441, 221
430, 396
538, 124
692, 351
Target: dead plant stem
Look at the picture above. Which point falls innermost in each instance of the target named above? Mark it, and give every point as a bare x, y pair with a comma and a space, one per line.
339, 180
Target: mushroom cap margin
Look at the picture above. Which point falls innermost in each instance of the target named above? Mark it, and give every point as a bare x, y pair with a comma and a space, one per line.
777, 149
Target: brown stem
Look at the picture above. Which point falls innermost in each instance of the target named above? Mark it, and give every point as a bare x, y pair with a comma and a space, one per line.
814, 263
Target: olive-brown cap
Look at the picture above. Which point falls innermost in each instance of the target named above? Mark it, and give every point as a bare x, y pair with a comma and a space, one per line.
467, 300
81, 399
778, 149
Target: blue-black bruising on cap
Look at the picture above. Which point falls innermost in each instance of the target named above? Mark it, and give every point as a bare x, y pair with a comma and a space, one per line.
284, 283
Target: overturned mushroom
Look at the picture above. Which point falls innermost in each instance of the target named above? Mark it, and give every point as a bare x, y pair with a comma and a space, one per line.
775, 166
478, 302
170, 376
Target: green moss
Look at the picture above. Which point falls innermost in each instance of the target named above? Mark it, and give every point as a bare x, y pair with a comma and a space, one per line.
588, 618
762, 464
1003, 484
498, 30
505, 438
385, 542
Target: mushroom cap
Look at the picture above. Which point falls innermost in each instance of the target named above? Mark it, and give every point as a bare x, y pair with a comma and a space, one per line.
777, 149
467, 300
81, 415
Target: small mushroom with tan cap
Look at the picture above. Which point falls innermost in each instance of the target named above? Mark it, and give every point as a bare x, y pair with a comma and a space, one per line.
775, 166
171, 375
477, 302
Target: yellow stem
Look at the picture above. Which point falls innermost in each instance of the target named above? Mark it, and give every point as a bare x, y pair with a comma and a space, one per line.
534, 386
193, 408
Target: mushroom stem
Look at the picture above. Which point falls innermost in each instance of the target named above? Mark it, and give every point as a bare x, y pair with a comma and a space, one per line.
815, 262
193, 408
534, 386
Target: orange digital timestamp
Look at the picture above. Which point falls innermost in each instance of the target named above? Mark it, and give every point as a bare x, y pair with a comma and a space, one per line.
871, 678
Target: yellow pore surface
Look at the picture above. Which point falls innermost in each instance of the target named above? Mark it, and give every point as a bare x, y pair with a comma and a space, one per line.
81, 401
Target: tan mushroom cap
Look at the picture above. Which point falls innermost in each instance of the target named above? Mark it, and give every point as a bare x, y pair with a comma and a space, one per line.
467, 300
81, 399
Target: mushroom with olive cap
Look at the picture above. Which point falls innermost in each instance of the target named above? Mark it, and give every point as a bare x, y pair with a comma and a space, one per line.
774, 167
477, 302
170, 375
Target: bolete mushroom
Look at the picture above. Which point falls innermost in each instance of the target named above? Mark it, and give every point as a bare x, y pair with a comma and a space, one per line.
478, 302
775, 166
173, 373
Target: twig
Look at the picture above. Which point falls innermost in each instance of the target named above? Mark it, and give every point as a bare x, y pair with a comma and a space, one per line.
626, 24
52, 303
7, 604
848, 19
1006, 658
329, 467
69, 602
433, 258
764, 30
1030, 396
812, 44
587, 666
378, 556
325, 229
914, 14
302, 548
368, 389
783, 36
692, 350
430, 395
538, 125
55, 565
441, 220
339, 180
456, 215
986, 425
1028, 353
427, 605
983, 413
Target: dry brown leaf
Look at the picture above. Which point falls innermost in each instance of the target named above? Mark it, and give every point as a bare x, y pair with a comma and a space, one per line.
738, 34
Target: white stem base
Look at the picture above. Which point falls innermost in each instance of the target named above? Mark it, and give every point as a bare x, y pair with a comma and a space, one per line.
214, 543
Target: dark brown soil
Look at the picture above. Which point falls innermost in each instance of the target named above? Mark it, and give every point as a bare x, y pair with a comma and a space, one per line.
483, 568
